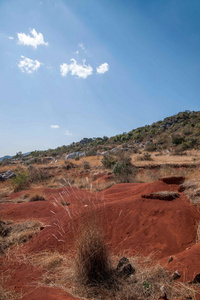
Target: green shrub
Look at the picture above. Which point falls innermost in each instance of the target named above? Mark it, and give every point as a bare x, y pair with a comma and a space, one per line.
21, 181
108, 161
177, 140
91, 152
150, 147
124, 170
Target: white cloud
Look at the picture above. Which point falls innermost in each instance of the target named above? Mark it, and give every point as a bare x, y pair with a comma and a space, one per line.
35, 40
28, 65
11, 37
77, 52
67, 132
82, 71
81, 46
54, 126
103, 68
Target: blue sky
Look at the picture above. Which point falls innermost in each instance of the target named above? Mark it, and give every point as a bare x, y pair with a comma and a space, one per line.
85, 68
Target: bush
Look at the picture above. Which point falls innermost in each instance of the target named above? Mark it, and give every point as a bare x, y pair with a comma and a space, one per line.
37, 174
145, 156
124, 170
150, 147
177, 140
91, 152
21, 181
108, 161
86, 165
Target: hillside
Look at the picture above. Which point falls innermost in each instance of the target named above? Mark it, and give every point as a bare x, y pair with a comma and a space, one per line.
179, 132
5, 157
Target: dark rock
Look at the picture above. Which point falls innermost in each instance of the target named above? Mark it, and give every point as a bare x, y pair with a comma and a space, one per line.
196, 279
163, 297
123, 261
173, 180
162, 195
176, 275
170, 259
124, 268
127, 270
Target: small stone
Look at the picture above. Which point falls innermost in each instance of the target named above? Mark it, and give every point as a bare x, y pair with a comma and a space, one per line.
163, 297
170, 259
128, 270
123, 261
197, 278
176, 275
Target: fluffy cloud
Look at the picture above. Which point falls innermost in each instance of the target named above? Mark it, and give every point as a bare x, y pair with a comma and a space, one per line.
67, 132
35, 40
82, 71
103, 68
28, 65
54, 126
11, 37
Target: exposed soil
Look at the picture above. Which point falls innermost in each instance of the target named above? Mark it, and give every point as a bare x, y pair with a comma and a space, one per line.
133, 225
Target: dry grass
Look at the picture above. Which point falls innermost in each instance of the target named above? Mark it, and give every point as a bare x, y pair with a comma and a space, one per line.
150, 281
18, 233
101, 186
92, 259
191, 187
198, 233
6, 294
151, 175
190, 157
37, 198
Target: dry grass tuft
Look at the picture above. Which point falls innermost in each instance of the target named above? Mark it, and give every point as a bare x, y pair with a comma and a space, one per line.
198, 233
149, 281
48, 260
92, 260
11, 234
37, 198
6, 294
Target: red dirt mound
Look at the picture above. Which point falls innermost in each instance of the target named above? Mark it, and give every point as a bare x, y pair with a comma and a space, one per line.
104, 178
186, 262
131, 223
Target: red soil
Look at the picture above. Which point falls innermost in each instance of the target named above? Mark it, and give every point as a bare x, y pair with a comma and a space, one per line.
133, 225
104, 178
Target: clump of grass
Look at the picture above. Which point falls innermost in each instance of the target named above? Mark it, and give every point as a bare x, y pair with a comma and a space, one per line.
93, 264
145, 156
6, 294
198, 233
17, 233
37, 198
86, 165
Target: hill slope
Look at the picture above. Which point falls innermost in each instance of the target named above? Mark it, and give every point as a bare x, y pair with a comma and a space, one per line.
180, 132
